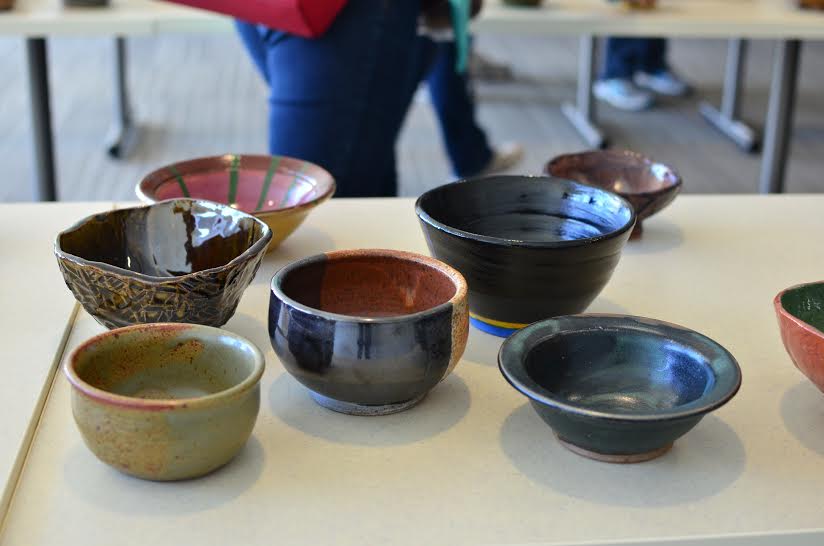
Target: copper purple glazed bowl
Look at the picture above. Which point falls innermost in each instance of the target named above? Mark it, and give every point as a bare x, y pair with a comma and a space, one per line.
368, 332
177, 261
618, 388
800, 312
529, 247
279, 190
648, 185
165, 401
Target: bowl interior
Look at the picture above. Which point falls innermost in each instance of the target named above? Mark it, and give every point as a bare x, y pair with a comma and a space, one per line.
165, 364
366, 285
617, 372
625, 173
261, 183
806, 303
526, 209
166, 239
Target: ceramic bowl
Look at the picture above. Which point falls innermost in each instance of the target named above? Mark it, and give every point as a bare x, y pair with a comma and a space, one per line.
279, 190
800, 311
648, 185
529, 247
176, 261
368, 332
165, 401
618, 388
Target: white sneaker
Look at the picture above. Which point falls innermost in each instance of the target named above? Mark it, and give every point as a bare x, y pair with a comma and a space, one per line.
504, 158
623, 94
663, 83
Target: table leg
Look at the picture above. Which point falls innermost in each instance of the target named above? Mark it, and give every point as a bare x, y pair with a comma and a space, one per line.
779, 123
582, 114
726, 118
37, 60
123, 134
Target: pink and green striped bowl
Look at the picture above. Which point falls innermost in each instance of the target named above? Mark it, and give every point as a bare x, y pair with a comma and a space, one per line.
279, 190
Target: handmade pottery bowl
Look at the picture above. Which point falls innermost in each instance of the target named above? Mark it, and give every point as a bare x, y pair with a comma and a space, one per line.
800, 311
279, 190
368, 332
165, 401
529, 247
648, 185
618, 388
176, 261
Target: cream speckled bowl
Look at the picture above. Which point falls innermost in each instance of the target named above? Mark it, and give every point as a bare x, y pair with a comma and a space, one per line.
165, 401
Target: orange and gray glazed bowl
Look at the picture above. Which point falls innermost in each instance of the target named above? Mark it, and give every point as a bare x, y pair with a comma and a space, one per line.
165, 401
176, 261
648, 185
800, 312
279, 190
368, 332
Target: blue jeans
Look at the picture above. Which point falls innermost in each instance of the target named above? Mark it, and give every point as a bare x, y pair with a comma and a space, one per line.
466, 143
626, 56
340, 100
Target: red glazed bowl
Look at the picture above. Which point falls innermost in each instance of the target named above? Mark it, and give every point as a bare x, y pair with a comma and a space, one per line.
800, 311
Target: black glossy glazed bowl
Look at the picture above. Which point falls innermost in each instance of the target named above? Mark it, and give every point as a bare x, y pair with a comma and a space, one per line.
529, 247
368, 332
618, 388
180, 260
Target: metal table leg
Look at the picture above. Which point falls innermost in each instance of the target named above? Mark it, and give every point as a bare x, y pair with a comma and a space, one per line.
582, 114
123, 134
779, 123
37, 60
726, 118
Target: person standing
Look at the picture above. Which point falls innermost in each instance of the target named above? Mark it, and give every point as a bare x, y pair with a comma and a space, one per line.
339, 100
635, 70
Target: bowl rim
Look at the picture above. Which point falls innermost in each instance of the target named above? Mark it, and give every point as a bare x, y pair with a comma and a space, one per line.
253, 250
783, 312
458, 280
160, 175
675, 187
161, 404
510, 364
500, 241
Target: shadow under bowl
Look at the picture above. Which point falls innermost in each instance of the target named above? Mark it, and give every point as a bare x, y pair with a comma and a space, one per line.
800, 312
648, 185
529, 247
368, 332
176, 261
618, 388
165, 401
279, 190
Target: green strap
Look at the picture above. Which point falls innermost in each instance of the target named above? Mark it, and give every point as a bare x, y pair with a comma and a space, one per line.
180, 182
460, 26
233, 179
273, 167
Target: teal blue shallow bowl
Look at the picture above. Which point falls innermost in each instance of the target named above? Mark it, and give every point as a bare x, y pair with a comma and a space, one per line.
618, 388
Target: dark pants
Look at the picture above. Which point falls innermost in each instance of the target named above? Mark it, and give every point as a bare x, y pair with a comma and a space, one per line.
340, 100
626, 56
466, 143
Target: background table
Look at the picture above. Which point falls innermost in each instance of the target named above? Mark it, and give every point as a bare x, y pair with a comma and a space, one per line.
37, 308
473, 463
774, 19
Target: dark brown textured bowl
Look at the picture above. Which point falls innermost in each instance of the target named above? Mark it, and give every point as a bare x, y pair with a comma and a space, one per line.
176, 261
648, 185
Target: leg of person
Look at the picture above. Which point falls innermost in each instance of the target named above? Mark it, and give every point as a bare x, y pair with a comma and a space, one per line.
466, 143
251, 36
339, 100
615, 85
654, 73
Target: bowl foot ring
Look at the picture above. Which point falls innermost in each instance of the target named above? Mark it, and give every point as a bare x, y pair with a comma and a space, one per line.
616, 458
350, 408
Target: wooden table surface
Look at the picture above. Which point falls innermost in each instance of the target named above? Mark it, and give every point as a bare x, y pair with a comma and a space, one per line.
472, 463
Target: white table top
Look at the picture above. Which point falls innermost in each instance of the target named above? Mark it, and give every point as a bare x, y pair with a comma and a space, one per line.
691, 18
472, 463
37, 307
